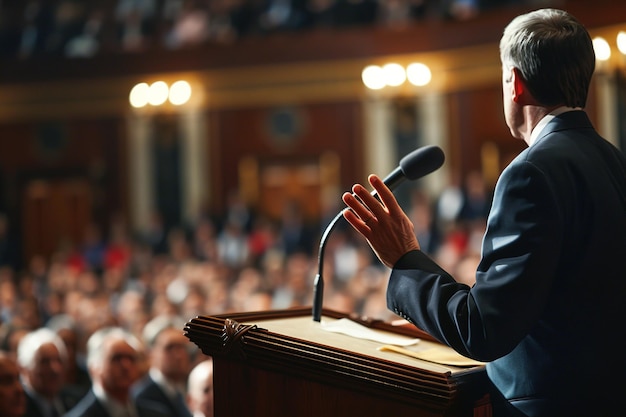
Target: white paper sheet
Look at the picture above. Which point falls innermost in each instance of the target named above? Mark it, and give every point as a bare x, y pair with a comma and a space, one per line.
354, 329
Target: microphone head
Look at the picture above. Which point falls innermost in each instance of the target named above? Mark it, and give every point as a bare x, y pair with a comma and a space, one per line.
422, 161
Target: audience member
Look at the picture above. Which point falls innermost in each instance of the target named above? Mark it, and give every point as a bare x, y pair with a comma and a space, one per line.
76, 376
200, 389
114, 361
12, 398
170, 363
67, 22
11, 339
135, 21
88, 41
399, 13
42, 356
189, 25
295, 234
93, 247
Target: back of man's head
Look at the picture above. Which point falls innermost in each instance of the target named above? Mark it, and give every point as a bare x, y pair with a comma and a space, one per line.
554, 54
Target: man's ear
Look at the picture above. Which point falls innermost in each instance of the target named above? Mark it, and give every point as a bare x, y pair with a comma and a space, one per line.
519, 86
94, 372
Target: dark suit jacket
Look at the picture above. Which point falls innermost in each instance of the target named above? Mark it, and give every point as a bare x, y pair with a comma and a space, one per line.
551, 284
148, 390
90, 406
67, 398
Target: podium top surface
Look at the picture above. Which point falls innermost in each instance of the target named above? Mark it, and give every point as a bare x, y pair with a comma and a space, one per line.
428, 355
290, 341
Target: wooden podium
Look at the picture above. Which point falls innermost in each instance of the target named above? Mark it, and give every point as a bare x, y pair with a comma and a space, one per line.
284, 364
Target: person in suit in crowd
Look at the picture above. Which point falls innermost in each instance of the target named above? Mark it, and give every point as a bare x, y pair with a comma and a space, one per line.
113, 360
200, 389
550, 285
170, 363
77, 378
42, 357
12, 397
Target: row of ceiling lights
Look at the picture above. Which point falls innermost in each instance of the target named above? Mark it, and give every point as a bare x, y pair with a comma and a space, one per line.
159, 92
376, 77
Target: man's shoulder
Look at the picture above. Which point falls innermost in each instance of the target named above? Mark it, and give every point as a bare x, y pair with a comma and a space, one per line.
145, 386
151, 409
88, 407
32, 408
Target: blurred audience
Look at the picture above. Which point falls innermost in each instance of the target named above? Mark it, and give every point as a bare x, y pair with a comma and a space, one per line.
86, 322
77, 29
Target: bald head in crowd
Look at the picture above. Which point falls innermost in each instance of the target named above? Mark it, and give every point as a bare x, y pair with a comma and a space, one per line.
200, 389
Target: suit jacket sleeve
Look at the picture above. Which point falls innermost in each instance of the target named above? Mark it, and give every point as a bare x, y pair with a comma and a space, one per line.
513, 280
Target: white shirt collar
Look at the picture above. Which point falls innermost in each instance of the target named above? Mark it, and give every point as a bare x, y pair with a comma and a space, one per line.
546, 119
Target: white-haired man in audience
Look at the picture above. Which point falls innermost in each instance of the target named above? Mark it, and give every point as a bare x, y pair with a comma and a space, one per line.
113, 360
42, 357
200, 389
170, 363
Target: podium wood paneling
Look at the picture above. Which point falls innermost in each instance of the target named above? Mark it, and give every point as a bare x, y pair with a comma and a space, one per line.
260, 372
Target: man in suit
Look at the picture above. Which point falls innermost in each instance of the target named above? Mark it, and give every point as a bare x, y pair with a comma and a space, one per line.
42, 358
170, 364
12, 398
551, 283
113, 360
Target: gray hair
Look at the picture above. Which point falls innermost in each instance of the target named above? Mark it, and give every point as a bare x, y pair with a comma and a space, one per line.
33, 341
554, 54
96, 343
154, 327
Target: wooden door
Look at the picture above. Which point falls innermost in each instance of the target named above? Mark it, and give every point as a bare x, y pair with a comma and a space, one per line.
55, 214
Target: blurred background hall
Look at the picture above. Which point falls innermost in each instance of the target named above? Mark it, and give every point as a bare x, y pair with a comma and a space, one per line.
184, 156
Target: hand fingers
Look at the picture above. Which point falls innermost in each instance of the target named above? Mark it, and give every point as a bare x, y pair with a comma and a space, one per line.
357, 207
385, 194
367, 201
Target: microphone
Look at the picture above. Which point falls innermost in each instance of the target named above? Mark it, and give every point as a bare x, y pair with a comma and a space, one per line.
413, 166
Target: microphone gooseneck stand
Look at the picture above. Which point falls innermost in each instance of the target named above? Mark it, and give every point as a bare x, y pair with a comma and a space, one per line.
318, 284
